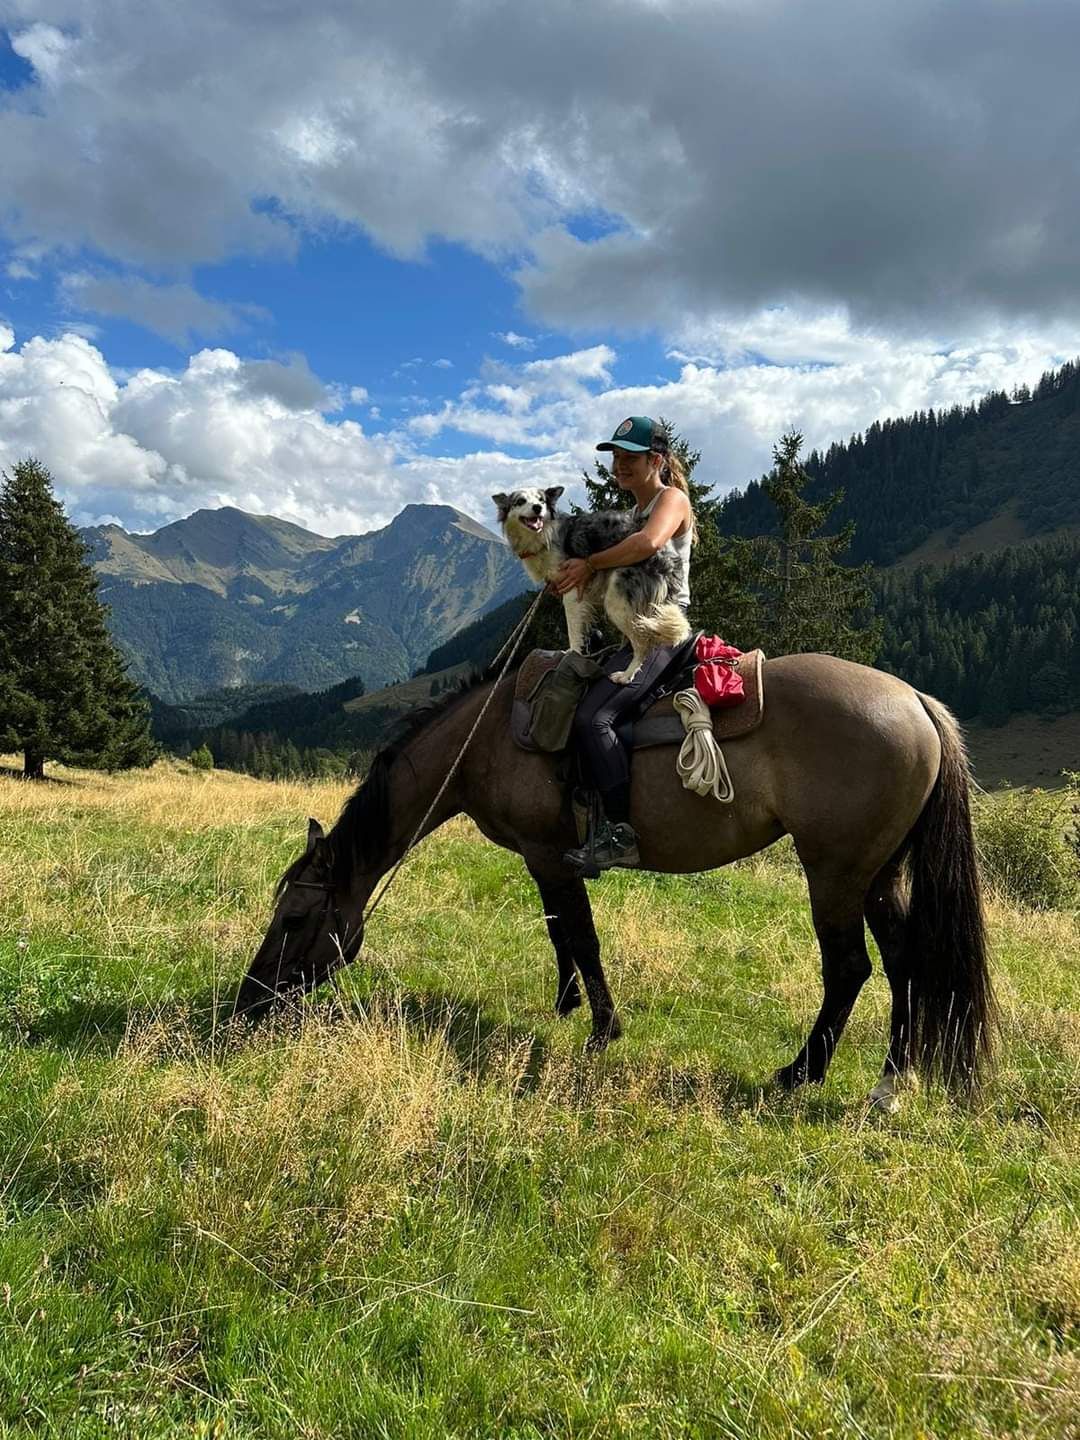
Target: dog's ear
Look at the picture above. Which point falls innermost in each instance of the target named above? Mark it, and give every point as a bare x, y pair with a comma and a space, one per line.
502, 504
552, 494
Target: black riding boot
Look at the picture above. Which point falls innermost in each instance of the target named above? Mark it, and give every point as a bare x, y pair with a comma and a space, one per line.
614, 841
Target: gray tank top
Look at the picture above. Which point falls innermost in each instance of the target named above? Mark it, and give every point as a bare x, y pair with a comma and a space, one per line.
678, 547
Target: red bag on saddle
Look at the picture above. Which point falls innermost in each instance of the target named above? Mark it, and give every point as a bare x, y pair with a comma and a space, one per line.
715, 677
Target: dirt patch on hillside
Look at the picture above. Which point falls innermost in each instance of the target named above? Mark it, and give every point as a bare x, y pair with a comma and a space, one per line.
1029, 750
998, 533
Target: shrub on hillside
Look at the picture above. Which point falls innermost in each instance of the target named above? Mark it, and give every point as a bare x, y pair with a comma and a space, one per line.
201, 758
1028, 846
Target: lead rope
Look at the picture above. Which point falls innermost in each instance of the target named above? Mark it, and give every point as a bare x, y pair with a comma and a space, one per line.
516, 636
700, 762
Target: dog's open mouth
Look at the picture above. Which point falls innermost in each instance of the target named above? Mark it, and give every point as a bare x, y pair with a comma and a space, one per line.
533, 522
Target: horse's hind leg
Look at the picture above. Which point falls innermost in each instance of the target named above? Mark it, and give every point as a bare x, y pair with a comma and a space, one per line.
837, 906
887, 915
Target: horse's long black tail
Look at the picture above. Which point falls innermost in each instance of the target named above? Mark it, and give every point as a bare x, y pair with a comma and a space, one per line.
953, 1014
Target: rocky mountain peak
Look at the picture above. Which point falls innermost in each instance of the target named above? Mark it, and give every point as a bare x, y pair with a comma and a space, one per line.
223, 597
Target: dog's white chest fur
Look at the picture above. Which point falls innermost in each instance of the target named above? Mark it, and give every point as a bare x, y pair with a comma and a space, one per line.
542, 565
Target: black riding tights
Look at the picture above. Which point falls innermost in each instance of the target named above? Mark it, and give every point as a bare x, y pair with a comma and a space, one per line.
603, 723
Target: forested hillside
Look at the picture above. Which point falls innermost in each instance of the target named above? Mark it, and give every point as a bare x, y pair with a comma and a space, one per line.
216, 707
478, 644
907, 478
992, 635
280, 735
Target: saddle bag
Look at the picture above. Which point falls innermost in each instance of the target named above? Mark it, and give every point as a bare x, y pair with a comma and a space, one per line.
716, 673
555, 697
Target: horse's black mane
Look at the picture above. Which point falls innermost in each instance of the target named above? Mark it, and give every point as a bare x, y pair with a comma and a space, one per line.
362, 832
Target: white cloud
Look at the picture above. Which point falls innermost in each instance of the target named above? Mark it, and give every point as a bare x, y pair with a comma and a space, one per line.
223, 431
839, 154
176, 311
514, 340
815, 373
357, 395
46, 48
444, 364
154, 445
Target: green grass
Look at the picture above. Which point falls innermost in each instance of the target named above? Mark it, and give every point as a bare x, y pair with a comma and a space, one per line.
415, 1208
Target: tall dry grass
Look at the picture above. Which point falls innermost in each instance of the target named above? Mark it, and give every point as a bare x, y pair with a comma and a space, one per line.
413, 1206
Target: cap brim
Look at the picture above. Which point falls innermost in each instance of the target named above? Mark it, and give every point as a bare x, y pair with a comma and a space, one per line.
622, 445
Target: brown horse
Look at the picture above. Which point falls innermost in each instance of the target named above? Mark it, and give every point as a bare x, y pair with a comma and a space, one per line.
868, 776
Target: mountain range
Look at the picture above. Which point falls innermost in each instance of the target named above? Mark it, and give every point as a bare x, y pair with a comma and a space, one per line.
224, 598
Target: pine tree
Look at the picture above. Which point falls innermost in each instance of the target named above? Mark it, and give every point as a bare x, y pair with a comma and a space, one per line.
64, 689
720, 601
806, 599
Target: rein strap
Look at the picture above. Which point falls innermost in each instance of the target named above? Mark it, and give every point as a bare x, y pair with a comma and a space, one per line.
516, 635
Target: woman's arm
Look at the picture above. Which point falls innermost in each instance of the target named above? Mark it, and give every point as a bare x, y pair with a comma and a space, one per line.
668, 515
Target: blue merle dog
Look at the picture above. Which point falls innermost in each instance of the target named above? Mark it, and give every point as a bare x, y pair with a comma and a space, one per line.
635, 598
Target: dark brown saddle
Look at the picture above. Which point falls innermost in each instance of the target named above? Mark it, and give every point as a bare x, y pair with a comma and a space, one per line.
661, 724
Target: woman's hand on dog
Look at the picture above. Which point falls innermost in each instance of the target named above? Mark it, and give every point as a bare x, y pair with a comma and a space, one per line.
572, 575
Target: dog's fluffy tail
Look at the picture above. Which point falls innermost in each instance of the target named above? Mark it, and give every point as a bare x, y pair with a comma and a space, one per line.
664, 624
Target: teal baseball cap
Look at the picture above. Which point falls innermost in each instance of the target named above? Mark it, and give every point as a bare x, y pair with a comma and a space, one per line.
637, 433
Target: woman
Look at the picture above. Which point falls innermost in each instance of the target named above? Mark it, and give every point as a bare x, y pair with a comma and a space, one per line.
642, 465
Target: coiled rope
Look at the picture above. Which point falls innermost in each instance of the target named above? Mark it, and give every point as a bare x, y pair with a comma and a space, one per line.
701, 764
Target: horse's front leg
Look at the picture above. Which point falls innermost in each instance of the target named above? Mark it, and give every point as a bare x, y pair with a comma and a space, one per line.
568, 994
573, 934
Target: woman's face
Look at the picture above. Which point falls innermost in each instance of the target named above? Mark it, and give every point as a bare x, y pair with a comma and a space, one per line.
630, 467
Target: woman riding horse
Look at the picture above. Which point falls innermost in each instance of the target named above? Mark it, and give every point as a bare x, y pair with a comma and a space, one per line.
643, 465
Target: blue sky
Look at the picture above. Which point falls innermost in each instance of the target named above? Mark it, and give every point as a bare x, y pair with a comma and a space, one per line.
323, 264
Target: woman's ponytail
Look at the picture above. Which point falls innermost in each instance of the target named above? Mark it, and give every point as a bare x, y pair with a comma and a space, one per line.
673, 472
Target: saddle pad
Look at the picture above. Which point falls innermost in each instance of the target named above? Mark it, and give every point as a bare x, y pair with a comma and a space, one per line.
661, 724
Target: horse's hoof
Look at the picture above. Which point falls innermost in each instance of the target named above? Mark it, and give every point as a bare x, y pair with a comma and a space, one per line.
887, 1101
790, 1077
567, 1003
885, 1095
603, 1035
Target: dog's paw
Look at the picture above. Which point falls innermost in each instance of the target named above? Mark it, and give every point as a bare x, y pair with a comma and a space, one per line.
623, 677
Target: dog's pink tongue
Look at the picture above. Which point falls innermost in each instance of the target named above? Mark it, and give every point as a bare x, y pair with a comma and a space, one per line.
536, 523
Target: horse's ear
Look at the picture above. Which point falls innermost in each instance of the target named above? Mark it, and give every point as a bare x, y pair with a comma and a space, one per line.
314, 834
552, 494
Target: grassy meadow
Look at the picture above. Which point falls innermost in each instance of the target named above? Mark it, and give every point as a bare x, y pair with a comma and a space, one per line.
415, 1208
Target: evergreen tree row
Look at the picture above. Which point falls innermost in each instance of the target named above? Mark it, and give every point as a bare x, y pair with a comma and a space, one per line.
991, 635
270, 756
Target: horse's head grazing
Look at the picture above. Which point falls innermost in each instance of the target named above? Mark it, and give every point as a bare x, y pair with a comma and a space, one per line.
308, 937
